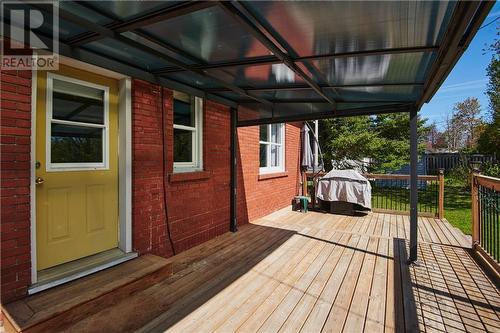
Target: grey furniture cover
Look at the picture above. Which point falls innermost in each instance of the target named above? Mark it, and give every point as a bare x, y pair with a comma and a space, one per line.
345, 185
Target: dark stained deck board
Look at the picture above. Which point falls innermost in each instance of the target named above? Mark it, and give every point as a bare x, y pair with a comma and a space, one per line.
38, 308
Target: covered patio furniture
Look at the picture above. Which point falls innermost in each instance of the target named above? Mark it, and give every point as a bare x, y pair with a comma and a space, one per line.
344, 191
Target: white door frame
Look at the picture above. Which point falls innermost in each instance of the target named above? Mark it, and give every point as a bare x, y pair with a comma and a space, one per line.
124, 157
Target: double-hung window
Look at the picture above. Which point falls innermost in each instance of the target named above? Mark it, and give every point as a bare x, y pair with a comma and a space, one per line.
272, 148
188, 137
77, 124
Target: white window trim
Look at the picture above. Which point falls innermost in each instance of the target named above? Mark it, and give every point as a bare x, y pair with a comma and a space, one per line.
197, 132
54, 167
281, 157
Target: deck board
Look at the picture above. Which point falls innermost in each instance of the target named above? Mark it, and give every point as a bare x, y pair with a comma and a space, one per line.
356, 316
375, 314
295, 272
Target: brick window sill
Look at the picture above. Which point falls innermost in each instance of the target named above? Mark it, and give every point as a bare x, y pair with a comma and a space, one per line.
188, 176
273, 175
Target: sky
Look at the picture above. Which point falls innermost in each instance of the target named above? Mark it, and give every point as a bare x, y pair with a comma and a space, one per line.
468, 78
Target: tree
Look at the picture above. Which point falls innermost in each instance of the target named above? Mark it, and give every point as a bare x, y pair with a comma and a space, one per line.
452, 133
339, 136
394, 132
434, 137
433, 134
466, 119
493, 73
489, 141
384, 138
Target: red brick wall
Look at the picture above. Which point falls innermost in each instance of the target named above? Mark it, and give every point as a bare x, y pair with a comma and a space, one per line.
259, 196
148, 213
15, 120
198, 210
198, 203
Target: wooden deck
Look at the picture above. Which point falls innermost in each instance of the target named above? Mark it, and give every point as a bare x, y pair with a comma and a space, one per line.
313, 272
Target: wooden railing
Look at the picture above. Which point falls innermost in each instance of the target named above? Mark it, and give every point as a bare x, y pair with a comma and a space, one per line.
391, 193
486, 219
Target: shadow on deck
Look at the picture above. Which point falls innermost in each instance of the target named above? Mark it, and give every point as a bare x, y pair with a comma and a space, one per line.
446, 291
304, 272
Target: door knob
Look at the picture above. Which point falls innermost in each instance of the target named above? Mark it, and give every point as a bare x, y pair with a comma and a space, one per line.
39, 180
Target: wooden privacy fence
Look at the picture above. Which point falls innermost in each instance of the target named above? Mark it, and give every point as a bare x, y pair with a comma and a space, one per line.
449, 161
486, 218
391, 193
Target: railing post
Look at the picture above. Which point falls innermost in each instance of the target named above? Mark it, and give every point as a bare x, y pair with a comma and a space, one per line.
475, 208
441, 194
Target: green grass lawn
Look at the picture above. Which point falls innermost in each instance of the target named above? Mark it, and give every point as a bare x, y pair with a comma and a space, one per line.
457, 203
457, 208
398, 199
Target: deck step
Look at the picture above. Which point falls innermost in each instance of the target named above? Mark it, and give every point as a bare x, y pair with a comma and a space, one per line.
54, 309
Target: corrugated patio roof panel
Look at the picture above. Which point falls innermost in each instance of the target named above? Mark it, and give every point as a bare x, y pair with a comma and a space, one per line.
353, 106
126, 10
132, 55
249, 113
291, 96
208, 34
380, 93
86, 12
324, 27
276, 75
315, 55
146, 41
193, 79
373, 69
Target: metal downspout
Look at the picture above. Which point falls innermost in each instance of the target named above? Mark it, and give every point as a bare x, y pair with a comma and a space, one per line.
233, 226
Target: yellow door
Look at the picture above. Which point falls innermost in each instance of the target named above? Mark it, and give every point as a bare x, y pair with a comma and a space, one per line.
77, 165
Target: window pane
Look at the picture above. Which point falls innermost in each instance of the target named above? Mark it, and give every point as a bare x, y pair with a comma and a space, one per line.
75, 144
75, 102
274, 156
183, 113
263, 132
263, 155
276, 133
183, 146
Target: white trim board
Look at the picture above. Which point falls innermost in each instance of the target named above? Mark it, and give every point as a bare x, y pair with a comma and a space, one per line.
54, 283
125, 164
269, 143
34, 87
197, 143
